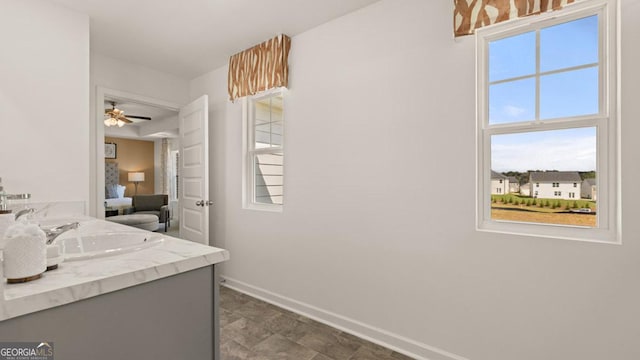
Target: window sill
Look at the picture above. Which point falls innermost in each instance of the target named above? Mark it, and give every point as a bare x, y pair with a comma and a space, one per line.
263, 207
572, 233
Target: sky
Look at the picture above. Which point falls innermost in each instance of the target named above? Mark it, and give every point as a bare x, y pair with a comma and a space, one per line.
562, 150
512, 96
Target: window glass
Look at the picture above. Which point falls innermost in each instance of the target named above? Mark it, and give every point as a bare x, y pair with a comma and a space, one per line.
512, 101
570, 93
573, 43
512, 57
268, 122
551, 160
268, 178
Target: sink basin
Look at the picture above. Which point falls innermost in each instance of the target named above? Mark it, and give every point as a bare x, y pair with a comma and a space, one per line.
86, 247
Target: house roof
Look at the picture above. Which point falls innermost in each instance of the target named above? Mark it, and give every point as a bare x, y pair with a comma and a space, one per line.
555, 176
513, 180
591, 181
497, 175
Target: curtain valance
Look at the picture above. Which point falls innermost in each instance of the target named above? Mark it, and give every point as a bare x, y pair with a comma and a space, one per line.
469, 15
259, 68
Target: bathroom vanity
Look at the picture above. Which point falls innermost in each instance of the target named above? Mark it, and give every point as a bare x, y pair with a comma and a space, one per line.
156, 301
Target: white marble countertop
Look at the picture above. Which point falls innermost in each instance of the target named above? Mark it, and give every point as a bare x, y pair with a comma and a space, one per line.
77, 280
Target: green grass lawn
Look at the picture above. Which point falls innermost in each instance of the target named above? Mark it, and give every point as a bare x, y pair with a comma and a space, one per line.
538, 204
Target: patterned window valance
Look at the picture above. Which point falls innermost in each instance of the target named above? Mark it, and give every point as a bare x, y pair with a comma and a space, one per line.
469, 15
259, 68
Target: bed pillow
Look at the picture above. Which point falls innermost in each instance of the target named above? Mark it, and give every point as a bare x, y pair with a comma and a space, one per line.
111, 192
120, 191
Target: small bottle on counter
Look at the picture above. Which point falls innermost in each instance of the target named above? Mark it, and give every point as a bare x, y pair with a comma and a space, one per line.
3, 200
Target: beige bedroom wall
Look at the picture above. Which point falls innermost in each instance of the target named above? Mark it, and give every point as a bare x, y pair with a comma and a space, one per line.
134, 155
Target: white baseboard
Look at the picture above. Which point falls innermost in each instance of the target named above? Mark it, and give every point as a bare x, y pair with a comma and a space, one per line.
408, 347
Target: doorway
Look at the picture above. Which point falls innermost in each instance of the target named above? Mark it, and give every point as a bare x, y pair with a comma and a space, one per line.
192, 163
153, 121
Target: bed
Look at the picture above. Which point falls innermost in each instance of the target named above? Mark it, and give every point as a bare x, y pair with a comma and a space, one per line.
114, 192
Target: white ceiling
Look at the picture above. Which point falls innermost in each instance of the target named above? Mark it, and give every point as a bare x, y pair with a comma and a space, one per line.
191, 37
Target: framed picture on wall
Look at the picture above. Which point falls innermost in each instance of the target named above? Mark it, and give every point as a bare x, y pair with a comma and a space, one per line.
110, 151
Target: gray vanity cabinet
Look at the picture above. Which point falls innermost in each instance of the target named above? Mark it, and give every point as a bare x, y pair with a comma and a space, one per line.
170, 318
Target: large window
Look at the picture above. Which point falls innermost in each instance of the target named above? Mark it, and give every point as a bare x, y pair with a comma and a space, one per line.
264, 155
547, 116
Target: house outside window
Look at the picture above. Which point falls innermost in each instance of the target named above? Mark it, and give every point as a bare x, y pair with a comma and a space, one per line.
264, 152
547, 87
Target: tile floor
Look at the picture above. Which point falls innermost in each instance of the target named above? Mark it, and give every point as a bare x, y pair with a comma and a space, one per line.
255, 330
173, 230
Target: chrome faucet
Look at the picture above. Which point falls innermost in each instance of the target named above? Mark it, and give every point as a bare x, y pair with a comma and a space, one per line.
24, 212
53, 233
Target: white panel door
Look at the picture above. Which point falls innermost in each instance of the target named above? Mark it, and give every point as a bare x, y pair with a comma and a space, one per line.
194, 171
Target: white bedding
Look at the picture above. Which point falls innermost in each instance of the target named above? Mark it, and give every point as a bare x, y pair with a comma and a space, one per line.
118, 203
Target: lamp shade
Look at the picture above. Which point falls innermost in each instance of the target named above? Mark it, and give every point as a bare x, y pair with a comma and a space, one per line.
136, 176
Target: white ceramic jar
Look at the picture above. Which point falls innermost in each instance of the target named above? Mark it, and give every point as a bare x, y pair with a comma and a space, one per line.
25, 253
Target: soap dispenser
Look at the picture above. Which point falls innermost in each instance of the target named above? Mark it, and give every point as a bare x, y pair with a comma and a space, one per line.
6, 217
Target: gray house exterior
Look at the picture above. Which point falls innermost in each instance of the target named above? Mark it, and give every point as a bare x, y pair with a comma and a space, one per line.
589, 189
514, 185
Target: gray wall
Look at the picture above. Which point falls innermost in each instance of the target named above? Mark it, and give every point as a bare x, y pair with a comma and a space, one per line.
378, 228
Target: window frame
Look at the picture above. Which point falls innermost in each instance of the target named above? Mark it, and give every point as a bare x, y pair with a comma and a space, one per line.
249, 151
606, 124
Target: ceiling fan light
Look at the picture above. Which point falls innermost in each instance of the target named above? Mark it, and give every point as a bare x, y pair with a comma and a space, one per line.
120, 123
111, 122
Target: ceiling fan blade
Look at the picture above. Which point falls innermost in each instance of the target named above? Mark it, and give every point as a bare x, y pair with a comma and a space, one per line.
119, 114
139, 117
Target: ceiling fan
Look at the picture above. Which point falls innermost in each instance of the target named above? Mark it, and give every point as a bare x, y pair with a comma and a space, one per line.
116, 116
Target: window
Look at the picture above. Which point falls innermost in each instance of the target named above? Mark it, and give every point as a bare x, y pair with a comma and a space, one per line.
547, 91
174, 177
264, 155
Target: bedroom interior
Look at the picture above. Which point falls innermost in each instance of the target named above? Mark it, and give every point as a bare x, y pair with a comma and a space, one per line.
141, 154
